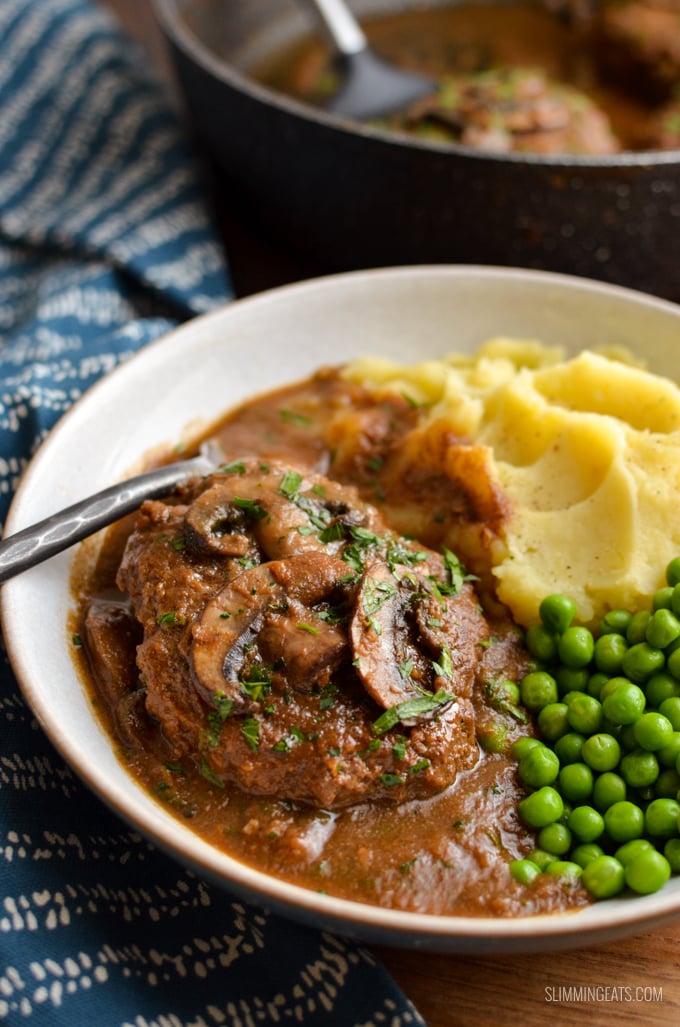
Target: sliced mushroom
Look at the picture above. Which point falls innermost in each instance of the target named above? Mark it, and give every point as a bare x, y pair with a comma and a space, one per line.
220, 526
409, 640
276, 508
268, 615
381, 637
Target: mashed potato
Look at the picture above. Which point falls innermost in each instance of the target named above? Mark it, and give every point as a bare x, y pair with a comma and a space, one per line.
588, 452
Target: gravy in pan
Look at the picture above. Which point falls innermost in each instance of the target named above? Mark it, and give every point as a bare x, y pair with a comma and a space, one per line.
551, 77
418, 813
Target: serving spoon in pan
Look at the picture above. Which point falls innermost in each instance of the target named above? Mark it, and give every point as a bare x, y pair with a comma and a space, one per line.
32, 545
370, 86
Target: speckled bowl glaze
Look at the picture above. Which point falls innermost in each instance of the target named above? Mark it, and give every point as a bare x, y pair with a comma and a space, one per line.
346, 196
183, 383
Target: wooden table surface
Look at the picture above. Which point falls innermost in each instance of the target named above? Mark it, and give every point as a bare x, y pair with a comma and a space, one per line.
631, 981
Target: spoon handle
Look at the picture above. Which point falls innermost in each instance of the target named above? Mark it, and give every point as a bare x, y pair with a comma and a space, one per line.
54, 534
341, 28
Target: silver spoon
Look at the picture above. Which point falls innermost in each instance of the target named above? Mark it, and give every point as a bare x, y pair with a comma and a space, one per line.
370, 88
54, 534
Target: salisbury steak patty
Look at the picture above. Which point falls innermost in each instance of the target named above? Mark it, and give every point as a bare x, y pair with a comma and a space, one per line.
294, 645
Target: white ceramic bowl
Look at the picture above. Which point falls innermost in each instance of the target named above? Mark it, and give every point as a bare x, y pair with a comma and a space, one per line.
188, 379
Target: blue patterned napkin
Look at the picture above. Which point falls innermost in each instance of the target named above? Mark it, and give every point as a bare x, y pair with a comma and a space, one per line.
104, 245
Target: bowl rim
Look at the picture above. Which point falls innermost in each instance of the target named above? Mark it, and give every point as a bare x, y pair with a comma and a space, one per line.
178, 33
573, 927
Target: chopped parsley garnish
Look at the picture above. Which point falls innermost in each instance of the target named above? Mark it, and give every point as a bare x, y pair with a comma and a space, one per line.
77, 641
406, 669
333, 614
303, 626
444, 667
456, 574
170, 618
420, 765
398, 749
216, 718
251, 508
250, 729
290, 483
333, 533
235, 467
390, 780
409, 709
376, 594
292, 417
210, 776
399, 554
327, 696
257, 682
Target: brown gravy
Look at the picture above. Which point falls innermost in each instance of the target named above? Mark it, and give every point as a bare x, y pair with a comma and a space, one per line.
447, 854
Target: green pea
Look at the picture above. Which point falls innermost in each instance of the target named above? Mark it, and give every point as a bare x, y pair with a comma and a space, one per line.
667, 784
585, 853
637, 626
568, 748
675, 600
616, 621
671, 851
541, 643
538, 689
610, 686
586, 823
629, 850
662, 598
608, 789
673, 663
575, 647
601, 752
603, 877
652, 731
625, 703
494, 737
668, 754
523, 745
539, 767
557, 612
505, 691
627, 738
661, 818
555, 838
542, 807
596, 683
648, 872
564, 868
524, 870
641, 661
576, 782
542, 858
662, 629
639, 768
673, 572
609, 652
552, 721
671, 708
659, 687
571, 679
624, 821
585, 714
